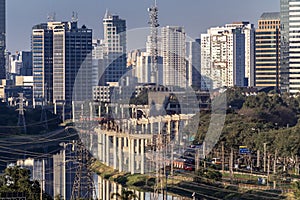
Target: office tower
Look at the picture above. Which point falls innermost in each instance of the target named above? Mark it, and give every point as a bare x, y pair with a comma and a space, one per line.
249, 31
173, 53
114, 44
59, 50
267, 52
193, 54
2, 39
42, 63
289, 49
223, 58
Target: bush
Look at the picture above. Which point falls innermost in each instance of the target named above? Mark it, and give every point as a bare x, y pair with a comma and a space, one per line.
208, 173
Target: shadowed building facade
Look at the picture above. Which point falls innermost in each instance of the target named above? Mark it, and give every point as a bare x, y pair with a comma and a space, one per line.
2, 39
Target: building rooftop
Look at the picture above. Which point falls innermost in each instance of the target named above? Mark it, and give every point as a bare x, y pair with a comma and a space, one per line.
270, 16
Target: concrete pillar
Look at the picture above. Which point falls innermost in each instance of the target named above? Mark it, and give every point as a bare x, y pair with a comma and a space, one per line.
122, 112
142, 156
107, 144
100, 187
99, 109
147, 129
169, 130
100, 143
115, 151
151, 127
103, 188
176, 130
103, 135
137, 148
142, 196
120, 156
129, 154
91, 110
116, 110
107, 110
142, 129
125, 142
159, 127
73, 111
107, 190
128, 126
132, 154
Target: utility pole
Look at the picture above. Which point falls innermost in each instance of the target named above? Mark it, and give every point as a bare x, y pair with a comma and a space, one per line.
223, 158
21, 120
172, 159
268, 172
265, 156
231, 165
275, 162
296, 166
204, 154
197, 159
284, 164
258, 159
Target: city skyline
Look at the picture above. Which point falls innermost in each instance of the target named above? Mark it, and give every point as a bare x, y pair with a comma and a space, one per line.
196, 17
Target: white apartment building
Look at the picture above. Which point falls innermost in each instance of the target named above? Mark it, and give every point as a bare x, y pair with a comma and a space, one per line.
173, 53
223, 58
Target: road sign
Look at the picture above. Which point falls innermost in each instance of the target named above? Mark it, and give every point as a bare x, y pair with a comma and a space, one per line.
244, 150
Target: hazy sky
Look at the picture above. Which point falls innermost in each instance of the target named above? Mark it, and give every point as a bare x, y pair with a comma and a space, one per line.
195, 15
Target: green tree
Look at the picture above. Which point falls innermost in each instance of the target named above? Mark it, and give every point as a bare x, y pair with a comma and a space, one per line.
125, 195
296, 188
17, 180
208, 173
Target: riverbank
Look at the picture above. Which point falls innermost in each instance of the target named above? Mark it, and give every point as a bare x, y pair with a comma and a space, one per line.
183, 185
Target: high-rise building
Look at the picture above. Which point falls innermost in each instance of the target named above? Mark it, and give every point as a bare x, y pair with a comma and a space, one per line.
267, 53
59, 50
20, 63
289, 49
223, 58
114, 49
42, 63
26, 58
249, 31
193, 54
2, 39
173, 53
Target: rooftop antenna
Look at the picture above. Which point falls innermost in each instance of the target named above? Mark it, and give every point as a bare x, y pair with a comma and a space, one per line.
153, 14
51, 17
74, 17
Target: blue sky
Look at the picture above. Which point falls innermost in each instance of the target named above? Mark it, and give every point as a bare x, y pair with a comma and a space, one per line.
195, 15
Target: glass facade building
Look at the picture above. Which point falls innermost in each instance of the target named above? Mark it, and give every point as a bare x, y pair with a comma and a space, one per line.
290, 46
60, 50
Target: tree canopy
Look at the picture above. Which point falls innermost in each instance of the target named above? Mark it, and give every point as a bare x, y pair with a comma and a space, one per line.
256, 119
17, 180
